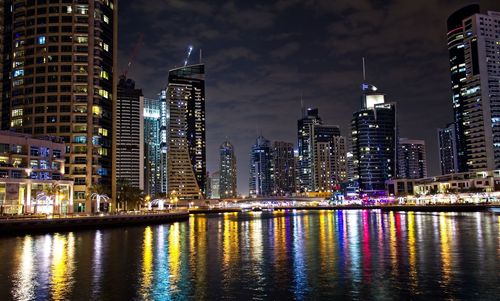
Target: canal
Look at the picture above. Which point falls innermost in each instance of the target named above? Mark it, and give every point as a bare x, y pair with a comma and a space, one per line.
366, 255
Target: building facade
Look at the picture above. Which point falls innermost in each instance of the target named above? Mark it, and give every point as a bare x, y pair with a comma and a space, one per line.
260, 168
152, 150
61, 60
283, 168
180, 173
412, 159
130, 133
310, 117
215, 185
447, 143
186, 86
374, 141
228, 175
32, 176
473, 44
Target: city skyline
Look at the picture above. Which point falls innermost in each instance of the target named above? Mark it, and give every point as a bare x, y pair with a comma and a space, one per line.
255, 81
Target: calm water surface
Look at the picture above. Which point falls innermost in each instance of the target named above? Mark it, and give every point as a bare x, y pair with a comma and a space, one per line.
366, 255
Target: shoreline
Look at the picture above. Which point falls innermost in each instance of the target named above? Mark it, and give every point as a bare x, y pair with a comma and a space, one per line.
37, 225
16, 226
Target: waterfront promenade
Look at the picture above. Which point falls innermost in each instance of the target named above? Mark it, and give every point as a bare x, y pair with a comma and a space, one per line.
27, 224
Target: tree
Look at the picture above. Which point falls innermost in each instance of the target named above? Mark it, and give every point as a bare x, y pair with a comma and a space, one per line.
128, 195
99, 194
52, 192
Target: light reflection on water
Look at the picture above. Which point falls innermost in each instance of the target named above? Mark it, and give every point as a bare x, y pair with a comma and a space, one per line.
278, 255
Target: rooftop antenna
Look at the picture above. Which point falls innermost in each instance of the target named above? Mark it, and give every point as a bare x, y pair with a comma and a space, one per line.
190, 49
364, 70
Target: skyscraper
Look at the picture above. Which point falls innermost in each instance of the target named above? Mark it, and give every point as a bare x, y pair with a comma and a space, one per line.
448, 158
374, 141
62, 82
260, 168
473, 44
227, 183
186, 87
130, 133
412, 161
309, 118
152, 150
180, 173
322, 162
326, 157
283, 168
215, 185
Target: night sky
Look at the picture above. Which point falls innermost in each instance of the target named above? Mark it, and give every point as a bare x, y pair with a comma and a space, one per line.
261, 56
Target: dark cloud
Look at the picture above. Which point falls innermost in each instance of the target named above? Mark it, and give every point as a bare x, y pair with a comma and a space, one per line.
261, 56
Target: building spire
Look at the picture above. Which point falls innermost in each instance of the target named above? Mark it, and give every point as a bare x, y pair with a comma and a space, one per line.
364, 70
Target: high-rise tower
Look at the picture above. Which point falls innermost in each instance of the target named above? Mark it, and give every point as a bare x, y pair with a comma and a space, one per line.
186, 89
152, 150
283, 168
260, 168
473, 44
130, 133
412, 159
374, 141
448, 158
62, 82
227, 183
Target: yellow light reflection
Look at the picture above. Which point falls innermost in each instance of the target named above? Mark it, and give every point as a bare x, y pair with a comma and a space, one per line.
393, 243
147, 263
412, 251
174, 253
24, 284
63, 250
445, 247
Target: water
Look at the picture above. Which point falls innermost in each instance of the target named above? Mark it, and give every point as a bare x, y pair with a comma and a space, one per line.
365, 255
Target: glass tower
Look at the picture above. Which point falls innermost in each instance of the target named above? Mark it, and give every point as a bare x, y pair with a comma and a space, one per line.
374, 141
227, 183
186, 87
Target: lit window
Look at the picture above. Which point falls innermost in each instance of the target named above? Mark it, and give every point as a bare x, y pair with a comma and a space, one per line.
96, 110
41, 40
105, 19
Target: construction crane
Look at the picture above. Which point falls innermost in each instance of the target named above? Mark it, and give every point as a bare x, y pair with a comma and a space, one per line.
137, 46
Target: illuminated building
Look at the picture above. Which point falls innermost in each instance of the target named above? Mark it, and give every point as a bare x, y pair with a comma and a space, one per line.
215, 185
152, 150
185, 131
260, 168
29, 167
448, 157
283, 168
465, 182
473, 44
227, 185
130, 133
412, 160
322, 154
61, 63
309, 118
374, 141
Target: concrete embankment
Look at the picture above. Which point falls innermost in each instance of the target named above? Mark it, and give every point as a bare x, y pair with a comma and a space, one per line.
14, 226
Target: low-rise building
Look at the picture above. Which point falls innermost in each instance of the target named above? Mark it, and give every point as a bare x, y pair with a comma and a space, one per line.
32, 175
465, 182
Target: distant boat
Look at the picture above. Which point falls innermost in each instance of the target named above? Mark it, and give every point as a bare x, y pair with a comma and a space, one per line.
495, 210
256, 209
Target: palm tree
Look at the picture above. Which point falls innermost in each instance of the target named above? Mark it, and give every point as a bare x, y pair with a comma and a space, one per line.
52, 192
97, 193
127, 194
